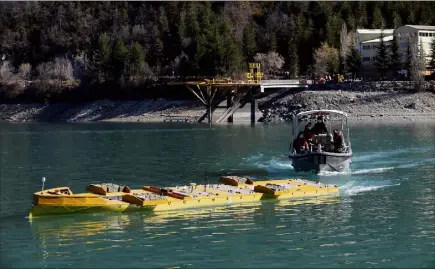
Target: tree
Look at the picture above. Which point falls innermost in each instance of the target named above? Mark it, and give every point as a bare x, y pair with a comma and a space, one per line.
249, 45
408, 59
344, 47
381, 59
353, 62
416, 74
293, 59
422, 57
395, 57
432, 54
270, 63
378, 19
136, 60
326, 60
119, 59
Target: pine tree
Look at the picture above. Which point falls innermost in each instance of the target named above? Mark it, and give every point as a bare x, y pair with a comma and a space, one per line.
381, 60
100, 63
119, 59
249, 46
395, 57
344, 47
408, 59
272, 46
432, 54
293, 59
136, 60
422, 57
377, 16
353, 62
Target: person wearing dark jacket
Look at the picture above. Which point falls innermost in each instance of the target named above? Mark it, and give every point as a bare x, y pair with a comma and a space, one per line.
308, 133
338, 141
300, 145
320, 127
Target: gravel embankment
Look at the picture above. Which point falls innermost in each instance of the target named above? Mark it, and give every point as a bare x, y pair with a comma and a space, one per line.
359, 100
356, 104
387, 99
103, 110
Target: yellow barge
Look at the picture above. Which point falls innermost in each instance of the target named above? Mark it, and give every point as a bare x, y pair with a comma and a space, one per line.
110, 197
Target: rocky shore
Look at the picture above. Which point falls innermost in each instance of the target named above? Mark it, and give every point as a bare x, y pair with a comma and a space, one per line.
103, 110
359, 100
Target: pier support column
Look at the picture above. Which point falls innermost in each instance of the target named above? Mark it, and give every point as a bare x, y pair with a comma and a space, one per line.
254, 106
229, 104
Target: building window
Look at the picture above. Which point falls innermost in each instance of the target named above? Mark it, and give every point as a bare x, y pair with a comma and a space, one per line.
404, 45
366, 59
366, 47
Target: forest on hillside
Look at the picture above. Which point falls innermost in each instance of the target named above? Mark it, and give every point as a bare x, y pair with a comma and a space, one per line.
129, 43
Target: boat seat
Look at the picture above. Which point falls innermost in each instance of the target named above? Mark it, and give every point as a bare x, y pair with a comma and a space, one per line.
321, 139
235, 180
105, 188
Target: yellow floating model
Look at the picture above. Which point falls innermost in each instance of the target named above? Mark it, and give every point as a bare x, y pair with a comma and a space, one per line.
110, 197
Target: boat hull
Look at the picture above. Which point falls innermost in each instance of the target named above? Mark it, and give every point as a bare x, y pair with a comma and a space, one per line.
176, 198
321, 162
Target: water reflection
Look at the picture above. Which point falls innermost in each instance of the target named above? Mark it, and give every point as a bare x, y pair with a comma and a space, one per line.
59, 233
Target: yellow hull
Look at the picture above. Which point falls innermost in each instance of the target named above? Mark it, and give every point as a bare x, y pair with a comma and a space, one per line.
232, 190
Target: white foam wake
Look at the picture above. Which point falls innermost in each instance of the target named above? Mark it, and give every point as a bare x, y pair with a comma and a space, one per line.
351, 188
357, 172
275, 164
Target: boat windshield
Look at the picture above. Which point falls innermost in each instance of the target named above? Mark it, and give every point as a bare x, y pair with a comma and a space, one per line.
320, 131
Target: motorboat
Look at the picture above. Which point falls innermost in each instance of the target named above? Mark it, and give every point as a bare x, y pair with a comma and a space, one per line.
328, 145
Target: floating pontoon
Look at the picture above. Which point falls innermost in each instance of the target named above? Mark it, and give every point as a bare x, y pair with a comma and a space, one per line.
117, 198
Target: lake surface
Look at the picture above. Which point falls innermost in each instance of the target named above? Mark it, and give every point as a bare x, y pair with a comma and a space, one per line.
384, 218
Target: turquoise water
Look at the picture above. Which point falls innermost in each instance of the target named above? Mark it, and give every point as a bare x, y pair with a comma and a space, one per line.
384, 217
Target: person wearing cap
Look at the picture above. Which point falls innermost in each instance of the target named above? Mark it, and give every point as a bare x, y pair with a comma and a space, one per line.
320, 127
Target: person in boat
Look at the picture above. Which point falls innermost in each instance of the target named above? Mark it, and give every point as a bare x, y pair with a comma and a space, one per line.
338, 141
308, 133
300, 145
320, 126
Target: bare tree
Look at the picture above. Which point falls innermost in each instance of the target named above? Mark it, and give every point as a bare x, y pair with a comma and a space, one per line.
24, 71
326, 59
270, 63
416, 75
61, 69
422, 57
239, 14
6, 72
344, 45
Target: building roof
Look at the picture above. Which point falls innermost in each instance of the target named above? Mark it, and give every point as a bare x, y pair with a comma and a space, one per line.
374, 31
377, 40
422, 27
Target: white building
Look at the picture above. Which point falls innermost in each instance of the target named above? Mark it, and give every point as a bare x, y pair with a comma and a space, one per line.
422, 34
367, 41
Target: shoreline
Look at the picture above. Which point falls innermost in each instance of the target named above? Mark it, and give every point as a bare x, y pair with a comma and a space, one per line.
277, 107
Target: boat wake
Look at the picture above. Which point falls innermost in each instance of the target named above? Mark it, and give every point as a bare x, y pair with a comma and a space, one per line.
274, 164
358, 172
353, 187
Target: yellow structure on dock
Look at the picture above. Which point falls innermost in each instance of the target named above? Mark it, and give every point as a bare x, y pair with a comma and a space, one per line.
116, 198
254, 75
